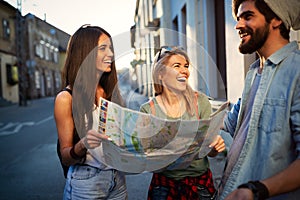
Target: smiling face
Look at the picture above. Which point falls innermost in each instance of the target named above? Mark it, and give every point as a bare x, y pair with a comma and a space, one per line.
104, 54
252, 28
176, 73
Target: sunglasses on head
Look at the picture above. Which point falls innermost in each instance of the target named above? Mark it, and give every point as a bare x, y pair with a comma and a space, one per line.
166, 49
85, 25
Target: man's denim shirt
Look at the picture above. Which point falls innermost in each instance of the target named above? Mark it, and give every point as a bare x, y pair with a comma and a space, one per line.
273, 140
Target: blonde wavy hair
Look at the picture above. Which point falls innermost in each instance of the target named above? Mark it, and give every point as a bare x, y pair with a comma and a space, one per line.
158, 67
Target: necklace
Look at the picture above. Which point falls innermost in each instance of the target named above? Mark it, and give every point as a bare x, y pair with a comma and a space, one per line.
171, 111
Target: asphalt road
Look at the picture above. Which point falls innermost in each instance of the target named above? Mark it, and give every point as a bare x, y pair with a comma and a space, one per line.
29, 166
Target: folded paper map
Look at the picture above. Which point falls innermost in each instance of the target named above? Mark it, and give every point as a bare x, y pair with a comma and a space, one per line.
143, 142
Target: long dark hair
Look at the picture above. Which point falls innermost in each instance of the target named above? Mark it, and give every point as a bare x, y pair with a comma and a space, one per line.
80, 73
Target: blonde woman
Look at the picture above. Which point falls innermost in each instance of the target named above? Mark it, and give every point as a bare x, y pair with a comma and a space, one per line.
175, 99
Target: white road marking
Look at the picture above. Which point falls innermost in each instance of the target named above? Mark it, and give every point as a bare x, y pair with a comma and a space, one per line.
17, 128
44, 120
14, 127
8, 126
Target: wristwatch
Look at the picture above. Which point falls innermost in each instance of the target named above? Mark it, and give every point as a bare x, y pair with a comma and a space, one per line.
259, 190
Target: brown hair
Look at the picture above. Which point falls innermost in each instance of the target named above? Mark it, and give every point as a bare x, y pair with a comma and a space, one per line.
80, 73
82, 45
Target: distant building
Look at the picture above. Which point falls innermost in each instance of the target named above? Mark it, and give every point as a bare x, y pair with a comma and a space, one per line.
32, 54
205, 28
45, 49
8, 60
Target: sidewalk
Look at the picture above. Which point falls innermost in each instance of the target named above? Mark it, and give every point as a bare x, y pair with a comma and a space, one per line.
4, 102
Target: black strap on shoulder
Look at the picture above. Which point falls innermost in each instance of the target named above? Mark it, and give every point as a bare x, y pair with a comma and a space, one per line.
68, 90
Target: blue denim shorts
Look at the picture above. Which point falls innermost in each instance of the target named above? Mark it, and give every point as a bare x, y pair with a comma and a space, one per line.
87, 182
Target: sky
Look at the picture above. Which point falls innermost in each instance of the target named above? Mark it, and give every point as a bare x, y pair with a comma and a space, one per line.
115, 16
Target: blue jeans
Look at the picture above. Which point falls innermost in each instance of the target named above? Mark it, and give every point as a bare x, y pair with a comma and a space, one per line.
87, 182
160, 193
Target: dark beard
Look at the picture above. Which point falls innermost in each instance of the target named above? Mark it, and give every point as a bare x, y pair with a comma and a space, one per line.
257, 40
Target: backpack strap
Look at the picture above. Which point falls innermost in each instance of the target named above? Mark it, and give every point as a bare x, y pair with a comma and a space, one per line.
196, 105
152, 108
68, 90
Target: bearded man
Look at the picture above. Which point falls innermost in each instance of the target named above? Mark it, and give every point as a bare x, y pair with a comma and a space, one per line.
264, 158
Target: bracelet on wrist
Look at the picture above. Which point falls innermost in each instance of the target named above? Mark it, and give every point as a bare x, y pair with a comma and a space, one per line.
259, 190
74, 155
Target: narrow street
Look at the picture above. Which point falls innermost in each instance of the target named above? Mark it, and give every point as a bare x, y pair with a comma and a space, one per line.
29, 166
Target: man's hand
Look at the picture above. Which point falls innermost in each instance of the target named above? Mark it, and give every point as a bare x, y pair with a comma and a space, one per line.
218, 145
241, 194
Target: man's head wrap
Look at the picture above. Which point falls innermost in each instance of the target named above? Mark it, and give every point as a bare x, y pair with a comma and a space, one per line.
288, 11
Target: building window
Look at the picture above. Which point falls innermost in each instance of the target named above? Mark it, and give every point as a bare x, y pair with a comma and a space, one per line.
12, 74
175, 31
47, 51
55, 55
57, 77
6, 29
39, 49
37, 79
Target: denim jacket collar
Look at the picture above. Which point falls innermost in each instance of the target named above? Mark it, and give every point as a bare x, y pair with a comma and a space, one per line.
282, 53
278, 56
